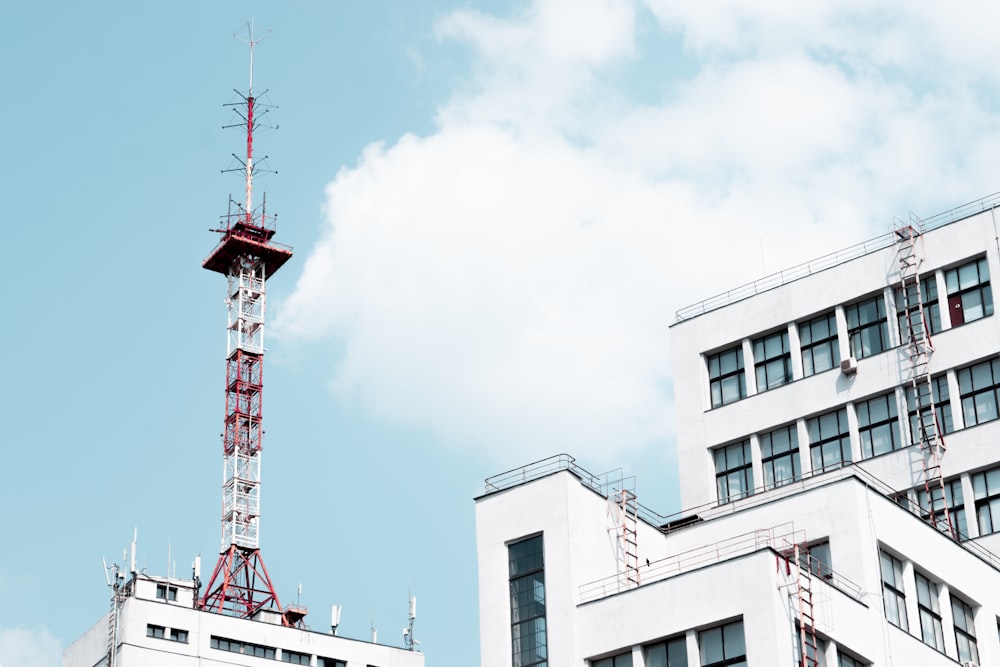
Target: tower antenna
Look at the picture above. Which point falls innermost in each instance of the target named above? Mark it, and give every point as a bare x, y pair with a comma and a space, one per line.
247, 256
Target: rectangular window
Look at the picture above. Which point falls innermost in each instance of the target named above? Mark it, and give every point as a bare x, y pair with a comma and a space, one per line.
818, 338
928, 607
933, 511
965, 631
723, 646
164, 592
979, 387
969, 294
815, 655
986, 487
620, 660
330, 662
772, 361
932, 309
156, 631
829, 440
527, 602
942, 409
844, 660
725, 376
733, 471
867, 328
819, 559
294, 657
179, 635
779, 452
892, 591
244, 648
671, 653
878, 426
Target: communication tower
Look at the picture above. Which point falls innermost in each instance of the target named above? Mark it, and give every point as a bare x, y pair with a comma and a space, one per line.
247, 256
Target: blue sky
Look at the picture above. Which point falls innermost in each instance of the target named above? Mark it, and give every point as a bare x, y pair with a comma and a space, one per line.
496, 209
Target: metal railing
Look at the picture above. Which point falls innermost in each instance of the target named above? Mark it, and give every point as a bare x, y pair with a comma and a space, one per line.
833, 259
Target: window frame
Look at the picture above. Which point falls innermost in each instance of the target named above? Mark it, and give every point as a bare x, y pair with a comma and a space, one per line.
954, 498
970, 392
861, 329
957, 291
764, 364
966, 634
830, 343
941, 395
156, 631
930, 305
295, 657
929, 611
987, 500
842, 439
868, 428
742, 471
527, 566
892, 589
718, 378
727, 660
672, 657
787, 458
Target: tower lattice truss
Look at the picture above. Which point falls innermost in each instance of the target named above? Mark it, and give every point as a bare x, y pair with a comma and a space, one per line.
247, 256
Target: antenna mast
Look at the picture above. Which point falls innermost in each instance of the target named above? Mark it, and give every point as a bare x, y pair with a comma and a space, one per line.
247, 256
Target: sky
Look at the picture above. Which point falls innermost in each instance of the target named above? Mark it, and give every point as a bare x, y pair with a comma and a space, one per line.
496, 207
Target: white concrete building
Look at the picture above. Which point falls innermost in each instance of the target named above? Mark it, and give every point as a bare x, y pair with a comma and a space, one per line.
836, 443
159, 626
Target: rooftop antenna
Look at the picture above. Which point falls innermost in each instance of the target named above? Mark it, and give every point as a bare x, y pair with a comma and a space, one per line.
334, 618
409, 641
374, 631
249, 99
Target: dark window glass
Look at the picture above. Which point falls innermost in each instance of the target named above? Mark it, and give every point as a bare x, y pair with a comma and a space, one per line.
986, 487
933, 510
848, 661
294, 657
829, 440
820, 561
965, 631
179, 635
772, 361
671, 653
155, 631
733, 471
892, 590
867, 328
620, 660
931, 309
969, 294
527, 602
928, 607
726, 382
723, 646
979, 388
330, 662
818, 339
779, 452
878, 426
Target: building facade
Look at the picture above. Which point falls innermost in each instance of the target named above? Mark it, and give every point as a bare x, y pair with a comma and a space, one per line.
835, 433
156, 624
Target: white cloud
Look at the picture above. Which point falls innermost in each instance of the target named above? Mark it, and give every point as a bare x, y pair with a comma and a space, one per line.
507, 281
29, 647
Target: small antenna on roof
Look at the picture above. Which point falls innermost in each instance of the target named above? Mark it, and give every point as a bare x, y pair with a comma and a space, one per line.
252, 42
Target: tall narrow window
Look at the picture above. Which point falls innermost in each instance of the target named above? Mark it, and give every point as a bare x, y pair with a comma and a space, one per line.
820, 350
969, 294
527, 602
779, 451
671, 653
942, 407
932, 309
723, 646
829, 440
820, 559
733, 471
930, 612
932, 509
867, 328
965, 631
892, 590
979, 387
725, 376
772, 361
877, 425
986, 487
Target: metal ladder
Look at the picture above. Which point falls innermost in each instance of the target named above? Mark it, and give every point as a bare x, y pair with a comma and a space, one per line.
808, 644
917, 341
629, 537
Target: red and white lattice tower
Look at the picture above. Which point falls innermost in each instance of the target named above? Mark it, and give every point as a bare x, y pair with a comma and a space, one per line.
247, 256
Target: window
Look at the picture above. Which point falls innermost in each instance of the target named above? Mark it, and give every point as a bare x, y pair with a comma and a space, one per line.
816, 655
892, 591
527, 602
930, 612
178, 635
877, 425
621, 660
969, 294
965, 631
245, 648
779, 452
933, 511
844, 660
942, 408
733, 471
829, 440
164, 592
820, 350
157, 631
978, 387
819, 559
986, 488
725, 376
932, 309
329, 662
867, 331
294, 657
772, 361
671, 653
723, 646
